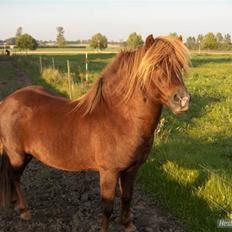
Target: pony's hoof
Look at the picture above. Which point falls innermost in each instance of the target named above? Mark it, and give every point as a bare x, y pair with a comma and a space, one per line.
25, 216
131, 228
15, 206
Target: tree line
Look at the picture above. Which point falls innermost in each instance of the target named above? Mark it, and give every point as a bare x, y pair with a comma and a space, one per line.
209, 41
25, 41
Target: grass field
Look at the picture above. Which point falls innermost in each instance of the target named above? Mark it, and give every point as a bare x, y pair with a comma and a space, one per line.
189, 170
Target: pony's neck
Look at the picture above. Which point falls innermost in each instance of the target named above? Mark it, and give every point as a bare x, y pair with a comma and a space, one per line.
144, 112
140, 109
108, 95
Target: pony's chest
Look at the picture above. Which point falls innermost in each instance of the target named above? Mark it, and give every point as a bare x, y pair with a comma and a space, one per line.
143, 148
136, 155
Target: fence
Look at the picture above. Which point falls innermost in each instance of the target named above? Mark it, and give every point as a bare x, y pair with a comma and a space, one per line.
43, 64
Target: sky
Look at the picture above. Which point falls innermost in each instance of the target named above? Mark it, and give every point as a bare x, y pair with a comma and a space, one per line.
115, 19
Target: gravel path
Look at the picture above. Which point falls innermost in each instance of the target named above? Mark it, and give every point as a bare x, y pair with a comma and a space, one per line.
70, 202
63, 201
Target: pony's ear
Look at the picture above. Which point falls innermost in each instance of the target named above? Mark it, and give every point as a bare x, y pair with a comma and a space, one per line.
180, 38
149, 42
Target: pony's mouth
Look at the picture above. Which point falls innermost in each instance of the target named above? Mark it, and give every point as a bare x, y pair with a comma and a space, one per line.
179, 110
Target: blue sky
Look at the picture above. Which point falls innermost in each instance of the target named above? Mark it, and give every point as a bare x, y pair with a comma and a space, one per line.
114, 18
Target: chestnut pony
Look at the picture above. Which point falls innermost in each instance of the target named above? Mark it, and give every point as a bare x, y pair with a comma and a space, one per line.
110, 129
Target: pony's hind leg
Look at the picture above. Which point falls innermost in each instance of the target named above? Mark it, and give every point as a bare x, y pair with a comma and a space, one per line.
21, 203
18, 164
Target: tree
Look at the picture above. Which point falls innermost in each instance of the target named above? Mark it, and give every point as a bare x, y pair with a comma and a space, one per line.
19, 31
60, 40
134, 40
219, 37
200, 38
227, 39
199, 41
26, 41
191, 42
174, 34
98, 41
209, 41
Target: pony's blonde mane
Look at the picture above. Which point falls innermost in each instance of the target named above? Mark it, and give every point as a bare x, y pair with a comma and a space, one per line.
167, 53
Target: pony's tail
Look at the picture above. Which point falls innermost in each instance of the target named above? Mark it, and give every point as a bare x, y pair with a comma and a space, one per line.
7, 187
6, 179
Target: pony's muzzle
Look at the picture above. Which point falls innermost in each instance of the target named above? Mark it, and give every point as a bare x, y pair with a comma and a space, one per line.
180, 101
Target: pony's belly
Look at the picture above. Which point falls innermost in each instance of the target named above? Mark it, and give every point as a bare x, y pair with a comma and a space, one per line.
66, 163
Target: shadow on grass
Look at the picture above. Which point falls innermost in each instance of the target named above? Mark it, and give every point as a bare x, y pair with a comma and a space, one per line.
211, 149
189, 153
197, 106
202, 60
197, 109
31, 66
32, 70
179, 199
97, 62
187, 200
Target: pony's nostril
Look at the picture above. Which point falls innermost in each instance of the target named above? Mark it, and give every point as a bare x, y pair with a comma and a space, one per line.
176, 98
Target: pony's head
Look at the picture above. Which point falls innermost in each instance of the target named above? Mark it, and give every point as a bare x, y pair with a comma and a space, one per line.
163, 64
157, 69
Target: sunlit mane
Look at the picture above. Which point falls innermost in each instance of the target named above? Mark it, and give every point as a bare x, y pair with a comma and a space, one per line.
135, 68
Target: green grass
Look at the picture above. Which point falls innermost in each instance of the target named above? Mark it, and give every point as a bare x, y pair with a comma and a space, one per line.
9, 80
59, 82
189, 170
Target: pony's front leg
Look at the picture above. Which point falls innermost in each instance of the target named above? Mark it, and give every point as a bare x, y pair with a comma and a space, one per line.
108, 183
126, 182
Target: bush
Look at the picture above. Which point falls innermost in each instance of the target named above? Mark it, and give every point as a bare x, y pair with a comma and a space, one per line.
134, 40
26, 41
52, 76
99, 41
209, 41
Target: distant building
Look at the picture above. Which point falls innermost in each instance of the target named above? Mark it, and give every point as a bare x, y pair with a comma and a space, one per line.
10, 41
